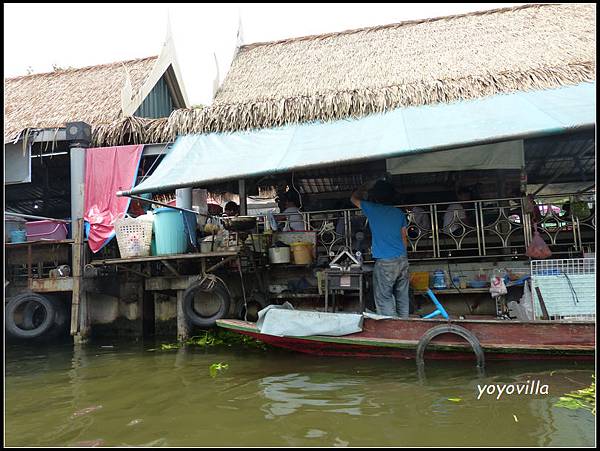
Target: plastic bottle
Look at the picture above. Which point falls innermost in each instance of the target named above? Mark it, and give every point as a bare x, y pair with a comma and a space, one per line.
218, 240
456, 281
439, 279
359, 257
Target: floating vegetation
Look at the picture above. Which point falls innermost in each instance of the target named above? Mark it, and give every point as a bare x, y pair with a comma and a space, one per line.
216, 367
169, 346
580, 399
217, 337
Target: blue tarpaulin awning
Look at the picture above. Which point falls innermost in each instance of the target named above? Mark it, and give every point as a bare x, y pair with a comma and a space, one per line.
199, 160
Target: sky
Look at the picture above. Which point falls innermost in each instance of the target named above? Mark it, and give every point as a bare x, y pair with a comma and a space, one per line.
38, 36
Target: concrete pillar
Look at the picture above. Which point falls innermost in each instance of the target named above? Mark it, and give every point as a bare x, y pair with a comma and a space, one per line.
243, 200
79, 136
183, 198
77, 160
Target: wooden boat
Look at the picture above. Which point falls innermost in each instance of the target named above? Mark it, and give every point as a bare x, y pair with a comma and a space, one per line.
456, 339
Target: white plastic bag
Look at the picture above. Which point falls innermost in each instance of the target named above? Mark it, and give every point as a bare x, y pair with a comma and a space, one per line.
527, 301
515, 310
497, 286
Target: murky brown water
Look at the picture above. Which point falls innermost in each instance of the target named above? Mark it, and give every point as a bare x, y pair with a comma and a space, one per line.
126, 395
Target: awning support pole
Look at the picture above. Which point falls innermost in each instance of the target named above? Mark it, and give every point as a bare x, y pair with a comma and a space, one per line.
243, 200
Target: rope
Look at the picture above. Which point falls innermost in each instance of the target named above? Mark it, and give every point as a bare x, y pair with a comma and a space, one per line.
243, 290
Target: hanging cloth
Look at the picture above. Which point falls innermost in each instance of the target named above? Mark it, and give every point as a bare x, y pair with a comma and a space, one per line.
108, 170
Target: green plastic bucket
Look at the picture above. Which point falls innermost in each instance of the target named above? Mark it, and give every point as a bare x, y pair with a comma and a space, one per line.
169, 231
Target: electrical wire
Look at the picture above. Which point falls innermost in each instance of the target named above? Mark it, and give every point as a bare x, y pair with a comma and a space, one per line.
573, 292
298, 192
148, 172
239, 265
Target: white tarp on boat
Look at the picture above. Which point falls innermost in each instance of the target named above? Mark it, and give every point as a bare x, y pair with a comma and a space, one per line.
284, 321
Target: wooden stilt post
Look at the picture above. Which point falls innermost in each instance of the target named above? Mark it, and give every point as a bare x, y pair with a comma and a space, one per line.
78, 136
147, 308
79, 309
183, 329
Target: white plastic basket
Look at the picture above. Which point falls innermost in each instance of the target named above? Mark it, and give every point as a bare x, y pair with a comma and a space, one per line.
134, 236
568, 287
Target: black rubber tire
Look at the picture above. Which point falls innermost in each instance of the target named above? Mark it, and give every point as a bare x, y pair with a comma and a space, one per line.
61, 321
28, 314
196, 319
12, 328
450, 329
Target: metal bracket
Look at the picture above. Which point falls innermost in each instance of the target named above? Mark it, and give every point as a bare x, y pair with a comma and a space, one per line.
355, 264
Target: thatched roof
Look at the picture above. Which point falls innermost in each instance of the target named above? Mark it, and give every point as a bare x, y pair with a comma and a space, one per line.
91, 94
359, 72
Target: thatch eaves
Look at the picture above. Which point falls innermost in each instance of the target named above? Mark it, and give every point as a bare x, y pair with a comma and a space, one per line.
358, 72
90, 94
421, 62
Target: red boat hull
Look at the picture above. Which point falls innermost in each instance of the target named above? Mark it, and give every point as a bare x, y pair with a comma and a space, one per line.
500, 340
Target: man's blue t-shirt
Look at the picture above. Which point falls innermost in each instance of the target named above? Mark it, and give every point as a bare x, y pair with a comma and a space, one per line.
386, 224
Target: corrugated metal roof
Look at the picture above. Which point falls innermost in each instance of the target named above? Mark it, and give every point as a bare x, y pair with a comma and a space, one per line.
158, 103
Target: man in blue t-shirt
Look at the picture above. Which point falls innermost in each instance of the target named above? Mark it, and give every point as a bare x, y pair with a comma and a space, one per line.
388, 227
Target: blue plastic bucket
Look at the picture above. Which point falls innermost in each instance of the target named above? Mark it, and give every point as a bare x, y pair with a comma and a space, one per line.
18, 236
153, 246
169, 231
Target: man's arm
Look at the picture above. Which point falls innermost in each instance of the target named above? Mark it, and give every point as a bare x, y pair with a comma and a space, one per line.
361, 193
405, 238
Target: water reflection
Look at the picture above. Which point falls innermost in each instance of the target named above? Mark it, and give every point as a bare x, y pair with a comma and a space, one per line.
291, 392
278, 399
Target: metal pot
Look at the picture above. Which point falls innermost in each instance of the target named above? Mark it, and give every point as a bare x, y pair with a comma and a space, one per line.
239, 223
206, 245
279, 254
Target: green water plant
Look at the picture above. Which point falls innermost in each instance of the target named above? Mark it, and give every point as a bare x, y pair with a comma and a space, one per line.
216, 367
217, 337
580, 399
169, 346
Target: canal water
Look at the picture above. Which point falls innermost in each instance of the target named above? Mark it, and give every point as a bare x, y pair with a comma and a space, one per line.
112, 393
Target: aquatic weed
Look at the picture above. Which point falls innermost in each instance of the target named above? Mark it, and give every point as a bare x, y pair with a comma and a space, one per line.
217, 337
580, 399
216, 367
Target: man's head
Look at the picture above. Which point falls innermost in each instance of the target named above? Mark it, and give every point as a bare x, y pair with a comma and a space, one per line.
287, 200
383, 193
232, 209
